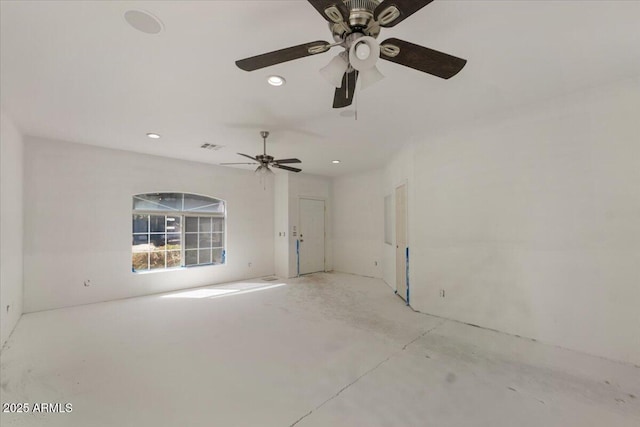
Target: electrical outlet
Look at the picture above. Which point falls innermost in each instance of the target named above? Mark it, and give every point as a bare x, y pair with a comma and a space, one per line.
375, 263
8, 307
442, 293
87, 283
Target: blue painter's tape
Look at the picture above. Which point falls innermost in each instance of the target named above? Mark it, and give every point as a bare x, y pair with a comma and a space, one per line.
298, 257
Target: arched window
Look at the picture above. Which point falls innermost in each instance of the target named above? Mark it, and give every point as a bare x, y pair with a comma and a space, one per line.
173, 230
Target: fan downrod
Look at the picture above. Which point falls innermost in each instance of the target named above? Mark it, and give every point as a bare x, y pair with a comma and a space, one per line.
264, 158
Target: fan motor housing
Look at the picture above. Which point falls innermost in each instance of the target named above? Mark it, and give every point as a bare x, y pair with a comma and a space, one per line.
264, 158
360, 20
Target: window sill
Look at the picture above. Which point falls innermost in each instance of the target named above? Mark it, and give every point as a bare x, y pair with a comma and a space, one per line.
164, 270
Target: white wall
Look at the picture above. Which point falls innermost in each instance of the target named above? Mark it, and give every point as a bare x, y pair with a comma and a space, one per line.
314, 187
78, 222
530, 222
11, 226
358, 227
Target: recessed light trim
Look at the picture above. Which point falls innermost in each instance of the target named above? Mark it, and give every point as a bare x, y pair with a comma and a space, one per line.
335, 162
153, 135
143, 21
276, 80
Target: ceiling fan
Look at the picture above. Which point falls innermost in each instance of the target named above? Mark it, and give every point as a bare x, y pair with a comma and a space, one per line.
264, 161
355, 25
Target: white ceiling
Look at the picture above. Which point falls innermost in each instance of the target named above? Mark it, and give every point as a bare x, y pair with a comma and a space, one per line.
75, 70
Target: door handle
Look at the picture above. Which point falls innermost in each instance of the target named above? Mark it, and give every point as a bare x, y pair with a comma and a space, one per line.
301, 240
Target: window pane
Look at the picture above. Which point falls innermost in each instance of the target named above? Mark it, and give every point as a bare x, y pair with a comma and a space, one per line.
156, 259
205, 224
140, 223
157, 223
158, 202
140, 243
212, 208
191, 224
205, 256
191, 241
173, 241
218, 224
157, 241
140, 261
173, 224
191, 257
217, 256
217, 240
202, 203
173, 259
205, 240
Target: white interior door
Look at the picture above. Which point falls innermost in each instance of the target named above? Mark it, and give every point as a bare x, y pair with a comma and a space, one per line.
401, 241
311, 236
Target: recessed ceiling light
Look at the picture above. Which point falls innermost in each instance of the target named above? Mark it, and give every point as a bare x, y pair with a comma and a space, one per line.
335, 162
153, 135
143, 21
276, 80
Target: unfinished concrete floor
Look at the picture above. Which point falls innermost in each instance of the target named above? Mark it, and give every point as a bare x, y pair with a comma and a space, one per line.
322, 350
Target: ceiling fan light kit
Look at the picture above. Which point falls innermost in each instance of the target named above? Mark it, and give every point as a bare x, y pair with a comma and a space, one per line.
263, 170
363, 56
355, 26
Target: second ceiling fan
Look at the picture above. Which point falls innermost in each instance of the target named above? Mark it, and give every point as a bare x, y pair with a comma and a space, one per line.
355, 25
264, 161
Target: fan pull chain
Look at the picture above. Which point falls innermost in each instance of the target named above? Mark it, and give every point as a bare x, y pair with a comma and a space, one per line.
346, 82
355, 95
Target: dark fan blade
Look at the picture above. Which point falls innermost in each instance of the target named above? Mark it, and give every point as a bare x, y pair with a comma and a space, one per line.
405, 7
343, 96
287, 161
282, 55
322, 5
246, 155
238, 164
423, 59
287, 168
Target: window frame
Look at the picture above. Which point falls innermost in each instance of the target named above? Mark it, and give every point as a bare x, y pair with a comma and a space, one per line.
182, 214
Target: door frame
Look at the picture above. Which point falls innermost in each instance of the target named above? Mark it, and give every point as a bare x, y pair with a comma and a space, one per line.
324, 255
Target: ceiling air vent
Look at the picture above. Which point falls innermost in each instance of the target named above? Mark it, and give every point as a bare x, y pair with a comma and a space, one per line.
213, 147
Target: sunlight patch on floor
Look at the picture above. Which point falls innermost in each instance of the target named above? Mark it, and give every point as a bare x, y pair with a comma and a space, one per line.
241, 288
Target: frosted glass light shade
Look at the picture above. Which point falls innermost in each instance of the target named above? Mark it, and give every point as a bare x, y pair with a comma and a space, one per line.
334, 70
370, 76
364, 53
